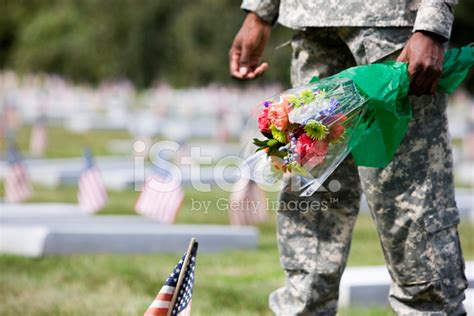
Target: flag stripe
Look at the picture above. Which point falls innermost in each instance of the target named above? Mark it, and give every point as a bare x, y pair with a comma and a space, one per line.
17, 184
92, 195
157, 202
160, 304
94, 187
164, 296
167, 289
151, 311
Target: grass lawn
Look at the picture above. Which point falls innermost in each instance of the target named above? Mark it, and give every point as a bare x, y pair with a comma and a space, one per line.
230, 283
63, 143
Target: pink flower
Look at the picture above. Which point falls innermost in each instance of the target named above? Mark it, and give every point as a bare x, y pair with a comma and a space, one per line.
311, 152
278, 114
303, 144
264, 121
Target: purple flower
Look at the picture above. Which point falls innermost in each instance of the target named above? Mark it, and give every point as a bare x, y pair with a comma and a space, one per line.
267, 104
333, 104
324, 112
326, 120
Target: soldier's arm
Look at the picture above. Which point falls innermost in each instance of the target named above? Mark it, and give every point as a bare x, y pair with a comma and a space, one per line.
250, 41
424, 51
435, 16
267, 10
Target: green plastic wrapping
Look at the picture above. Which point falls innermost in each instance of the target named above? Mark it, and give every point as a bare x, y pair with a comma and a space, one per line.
377, 137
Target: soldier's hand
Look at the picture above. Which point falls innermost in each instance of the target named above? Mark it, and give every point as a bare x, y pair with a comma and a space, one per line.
424, 55
247, 48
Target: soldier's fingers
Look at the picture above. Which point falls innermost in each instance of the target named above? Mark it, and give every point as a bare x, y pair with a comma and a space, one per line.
436, 71
234, 64
434, 86
425, 85
244, 61
415, 84
430, 76
412, 77
258, 71
403, 56
413, 70
428, 83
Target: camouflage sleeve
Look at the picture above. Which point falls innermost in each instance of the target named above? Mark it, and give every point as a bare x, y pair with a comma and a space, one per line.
265, 9
435, 16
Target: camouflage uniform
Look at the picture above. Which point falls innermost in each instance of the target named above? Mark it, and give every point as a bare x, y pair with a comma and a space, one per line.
411, 200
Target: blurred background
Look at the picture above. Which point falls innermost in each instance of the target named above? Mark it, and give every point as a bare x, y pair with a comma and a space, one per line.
98, 76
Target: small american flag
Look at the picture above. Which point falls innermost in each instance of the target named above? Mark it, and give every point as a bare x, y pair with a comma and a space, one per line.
17, 183
178, 289
92, 195
247, 204
161, 198
38, 138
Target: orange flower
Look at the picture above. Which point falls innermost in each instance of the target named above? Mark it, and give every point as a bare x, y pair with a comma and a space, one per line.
278, 114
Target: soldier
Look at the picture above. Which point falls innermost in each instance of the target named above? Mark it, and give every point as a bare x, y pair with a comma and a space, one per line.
412, 199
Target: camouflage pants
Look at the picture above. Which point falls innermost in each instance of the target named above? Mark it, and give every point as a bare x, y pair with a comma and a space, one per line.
411, 200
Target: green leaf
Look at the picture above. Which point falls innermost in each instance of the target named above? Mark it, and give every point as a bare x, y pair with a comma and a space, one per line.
260, 143
272, 142
273, 151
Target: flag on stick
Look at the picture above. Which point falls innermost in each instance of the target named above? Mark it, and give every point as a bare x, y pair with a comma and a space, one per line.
247, 204
17, 183
161, 198
92, 195
174, 298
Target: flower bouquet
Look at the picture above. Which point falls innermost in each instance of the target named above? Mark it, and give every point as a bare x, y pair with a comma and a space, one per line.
307, 129
362, 110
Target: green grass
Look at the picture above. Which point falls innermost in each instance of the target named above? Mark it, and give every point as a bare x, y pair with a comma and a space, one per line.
63, 143
229, 283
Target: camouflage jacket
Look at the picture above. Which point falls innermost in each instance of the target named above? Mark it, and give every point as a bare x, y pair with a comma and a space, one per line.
430, 15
